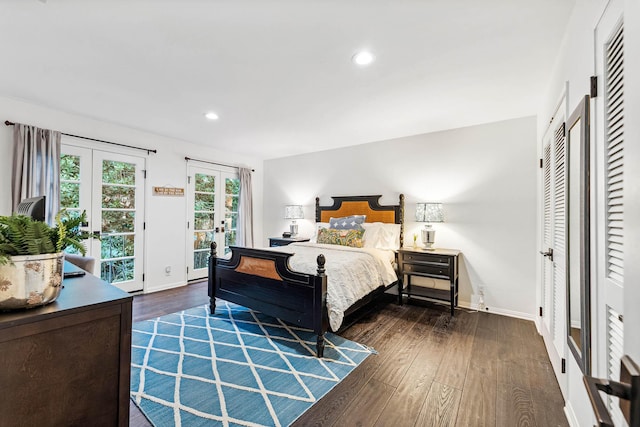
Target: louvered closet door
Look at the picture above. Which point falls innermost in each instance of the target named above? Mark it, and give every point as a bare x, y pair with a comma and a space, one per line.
559, 238
547, 241
610, 183
553, 238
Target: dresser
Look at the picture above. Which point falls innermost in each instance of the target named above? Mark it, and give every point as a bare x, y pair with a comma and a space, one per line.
439, 264
68, 362
284, 241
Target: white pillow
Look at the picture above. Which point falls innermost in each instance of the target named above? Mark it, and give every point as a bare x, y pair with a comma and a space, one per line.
319, 225
380, 235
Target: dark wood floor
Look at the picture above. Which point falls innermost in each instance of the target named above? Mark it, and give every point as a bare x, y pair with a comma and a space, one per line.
476, 369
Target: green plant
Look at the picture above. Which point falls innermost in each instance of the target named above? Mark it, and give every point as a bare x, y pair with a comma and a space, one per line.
21, 235
67, 231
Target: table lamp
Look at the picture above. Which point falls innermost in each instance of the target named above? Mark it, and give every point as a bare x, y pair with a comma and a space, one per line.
293, 212
429, 213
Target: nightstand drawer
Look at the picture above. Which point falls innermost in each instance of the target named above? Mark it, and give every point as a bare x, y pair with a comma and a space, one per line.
429, 269
426, 258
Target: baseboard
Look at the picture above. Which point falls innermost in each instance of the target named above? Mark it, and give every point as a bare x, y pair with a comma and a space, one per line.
164, 287
502, 312
571, 416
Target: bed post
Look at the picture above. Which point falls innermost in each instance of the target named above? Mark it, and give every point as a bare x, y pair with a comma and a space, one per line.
401, 219
212, 277
323, 317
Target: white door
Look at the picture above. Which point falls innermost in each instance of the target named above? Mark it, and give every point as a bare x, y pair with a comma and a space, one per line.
75, 179
110, 188
553, 250
118, 216
608, 330
212, 203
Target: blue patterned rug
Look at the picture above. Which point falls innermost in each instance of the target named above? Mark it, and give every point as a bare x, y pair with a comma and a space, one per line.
236, 368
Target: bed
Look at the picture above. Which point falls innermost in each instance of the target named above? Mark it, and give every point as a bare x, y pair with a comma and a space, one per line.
264, 279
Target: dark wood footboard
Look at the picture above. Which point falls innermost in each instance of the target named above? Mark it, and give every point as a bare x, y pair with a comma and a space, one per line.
262, 280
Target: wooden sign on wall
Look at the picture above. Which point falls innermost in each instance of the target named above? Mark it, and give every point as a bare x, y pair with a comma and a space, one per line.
168, 191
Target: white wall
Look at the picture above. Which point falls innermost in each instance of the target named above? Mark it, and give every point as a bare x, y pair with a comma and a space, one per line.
575, 64
485, 176
166, 216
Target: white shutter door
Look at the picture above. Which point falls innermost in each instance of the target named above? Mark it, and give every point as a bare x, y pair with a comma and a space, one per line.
614, 117
615, 340
559, 238
553, 189
547, 241
614, 216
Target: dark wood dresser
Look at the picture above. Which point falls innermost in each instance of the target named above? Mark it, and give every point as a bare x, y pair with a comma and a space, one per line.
435, 264
68, 363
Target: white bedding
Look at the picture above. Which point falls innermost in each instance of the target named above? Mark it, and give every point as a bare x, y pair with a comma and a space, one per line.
351, 272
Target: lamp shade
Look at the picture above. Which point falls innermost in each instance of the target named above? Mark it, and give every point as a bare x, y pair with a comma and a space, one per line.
293, 212
429, 212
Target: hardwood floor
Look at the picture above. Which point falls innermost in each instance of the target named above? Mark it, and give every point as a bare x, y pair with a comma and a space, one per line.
476, 369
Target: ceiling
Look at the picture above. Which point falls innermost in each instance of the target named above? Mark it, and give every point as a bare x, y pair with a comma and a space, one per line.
279, 72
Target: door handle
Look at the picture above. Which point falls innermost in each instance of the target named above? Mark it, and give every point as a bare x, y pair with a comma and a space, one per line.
628, 390
549, 254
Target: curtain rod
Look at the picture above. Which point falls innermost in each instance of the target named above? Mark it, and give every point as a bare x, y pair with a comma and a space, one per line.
148, 150
215, 163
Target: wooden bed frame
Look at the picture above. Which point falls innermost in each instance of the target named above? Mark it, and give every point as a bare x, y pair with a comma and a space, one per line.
262, 279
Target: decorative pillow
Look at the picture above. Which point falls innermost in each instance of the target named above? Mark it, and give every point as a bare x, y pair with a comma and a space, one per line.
353, 222
333, 236
381, 236
319, 225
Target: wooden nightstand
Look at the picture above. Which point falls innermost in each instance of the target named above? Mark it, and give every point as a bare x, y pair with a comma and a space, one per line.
436, 264
284, 241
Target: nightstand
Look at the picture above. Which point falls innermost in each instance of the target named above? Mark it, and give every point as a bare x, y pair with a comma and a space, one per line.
435, 264
284, 241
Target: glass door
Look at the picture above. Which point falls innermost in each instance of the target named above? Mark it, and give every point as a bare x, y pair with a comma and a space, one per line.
110, 188
118, 210
75, 195
212, 200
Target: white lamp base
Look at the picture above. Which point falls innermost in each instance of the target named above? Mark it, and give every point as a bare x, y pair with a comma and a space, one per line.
293, 227
428, 237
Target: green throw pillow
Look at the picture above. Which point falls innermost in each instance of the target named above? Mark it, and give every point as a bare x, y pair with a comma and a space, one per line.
332, 236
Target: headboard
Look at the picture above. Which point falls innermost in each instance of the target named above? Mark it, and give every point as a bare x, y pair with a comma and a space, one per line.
363, 205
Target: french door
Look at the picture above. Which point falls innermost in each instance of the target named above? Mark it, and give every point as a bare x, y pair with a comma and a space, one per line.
212, 215
110, 188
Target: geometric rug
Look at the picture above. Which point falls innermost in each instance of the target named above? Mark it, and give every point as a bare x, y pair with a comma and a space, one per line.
235, 368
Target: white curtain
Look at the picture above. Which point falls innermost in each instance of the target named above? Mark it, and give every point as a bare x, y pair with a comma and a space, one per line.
245, 209
36, 167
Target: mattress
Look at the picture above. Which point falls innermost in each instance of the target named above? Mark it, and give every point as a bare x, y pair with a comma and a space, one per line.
351, 273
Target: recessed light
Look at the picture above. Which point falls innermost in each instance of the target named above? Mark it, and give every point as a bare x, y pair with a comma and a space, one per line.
211, 115
363, 58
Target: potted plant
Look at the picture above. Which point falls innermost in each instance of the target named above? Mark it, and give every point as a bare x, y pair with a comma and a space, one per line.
32, 255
